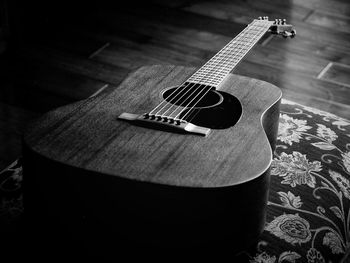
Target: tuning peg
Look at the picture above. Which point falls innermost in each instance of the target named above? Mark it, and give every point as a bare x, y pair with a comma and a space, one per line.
260, 18
293, 33
286, 34
284, 21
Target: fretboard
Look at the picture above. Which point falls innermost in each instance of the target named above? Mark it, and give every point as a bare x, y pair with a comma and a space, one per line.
219, 66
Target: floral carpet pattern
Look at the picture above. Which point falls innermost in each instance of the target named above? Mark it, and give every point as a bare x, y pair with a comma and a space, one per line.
308, 213
308, 216
11, 195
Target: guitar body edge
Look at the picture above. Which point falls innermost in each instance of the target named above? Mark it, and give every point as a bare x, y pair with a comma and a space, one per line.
107, 213
73, 211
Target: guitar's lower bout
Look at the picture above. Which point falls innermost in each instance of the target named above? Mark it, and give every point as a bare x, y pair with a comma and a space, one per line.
106, 216
109, 182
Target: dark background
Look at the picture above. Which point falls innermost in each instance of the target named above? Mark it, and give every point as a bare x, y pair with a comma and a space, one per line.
53, 53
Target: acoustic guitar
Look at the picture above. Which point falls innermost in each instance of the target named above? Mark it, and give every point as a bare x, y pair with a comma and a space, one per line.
173, 158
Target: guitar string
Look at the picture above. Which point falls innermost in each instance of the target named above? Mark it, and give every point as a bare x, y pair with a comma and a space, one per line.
222, 54
170, 98
185, 86
181, 97
208, 72
171, 102
228, 61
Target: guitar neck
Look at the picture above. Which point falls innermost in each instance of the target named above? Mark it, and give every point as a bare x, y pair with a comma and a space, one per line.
220, 65
179, 107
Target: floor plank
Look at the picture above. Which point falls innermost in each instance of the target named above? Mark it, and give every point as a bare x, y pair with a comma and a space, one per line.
299, 66
12, 124
73, 63
331, 21
244, 14
331, 6
80, 55
336, 73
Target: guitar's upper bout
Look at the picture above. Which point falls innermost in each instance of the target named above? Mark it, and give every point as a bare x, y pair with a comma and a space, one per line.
258, 95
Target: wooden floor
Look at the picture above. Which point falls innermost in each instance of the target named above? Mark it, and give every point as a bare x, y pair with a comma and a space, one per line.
88, 51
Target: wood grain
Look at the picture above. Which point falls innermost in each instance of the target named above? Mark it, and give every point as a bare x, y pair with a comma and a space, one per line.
12, 123
73, 63
152, 189
157, 156
268, 63
329, 20
199, 27
241, 14
178, 23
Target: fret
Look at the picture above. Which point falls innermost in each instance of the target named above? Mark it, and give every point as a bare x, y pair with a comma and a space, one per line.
221, 64
202, 73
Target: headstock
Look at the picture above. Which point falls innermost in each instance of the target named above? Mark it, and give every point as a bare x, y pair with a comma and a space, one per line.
280, 27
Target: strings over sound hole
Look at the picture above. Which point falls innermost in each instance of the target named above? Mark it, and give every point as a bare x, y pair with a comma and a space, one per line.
205, 106
192, 95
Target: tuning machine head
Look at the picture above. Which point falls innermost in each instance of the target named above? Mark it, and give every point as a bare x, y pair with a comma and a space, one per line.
280, 27
263, 18
286, 34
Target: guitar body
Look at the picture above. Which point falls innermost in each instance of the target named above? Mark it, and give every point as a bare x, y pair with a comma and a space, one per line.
115, 185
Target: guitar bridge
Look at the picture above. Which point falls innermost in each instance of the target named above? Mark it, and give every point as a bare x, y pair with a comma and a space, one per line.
164, 123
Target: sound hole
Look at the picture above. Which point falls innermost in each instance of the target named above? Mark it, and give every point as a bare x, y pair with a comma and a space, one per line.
215, 110
191, 95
